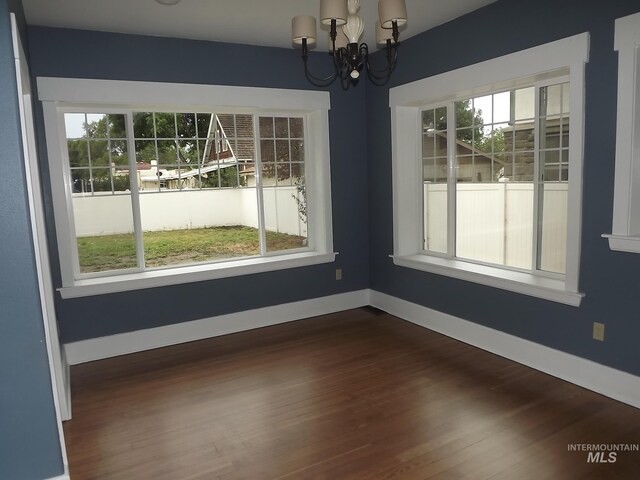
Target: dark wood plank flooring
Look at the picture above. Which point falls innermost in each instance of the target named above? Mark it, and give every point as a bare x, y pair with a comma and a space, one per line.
354, 395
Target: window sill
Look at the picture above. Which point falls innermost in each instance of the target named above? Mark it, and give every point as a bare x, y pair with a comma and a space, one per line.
193, 273
623, 243
519, 282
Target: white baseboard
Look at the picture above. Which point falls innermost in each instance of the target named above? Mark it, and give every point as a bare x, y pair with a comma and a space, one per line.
137, 341
607, 381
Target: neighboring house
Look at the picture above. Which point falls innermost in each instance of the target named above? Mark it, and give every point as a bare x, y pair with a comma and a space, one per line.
473, 165
515, 163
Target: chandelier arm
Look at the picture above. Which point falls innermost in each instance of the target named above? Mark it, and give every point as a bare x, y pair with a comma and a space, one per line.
385, 72
314, 80
345, 82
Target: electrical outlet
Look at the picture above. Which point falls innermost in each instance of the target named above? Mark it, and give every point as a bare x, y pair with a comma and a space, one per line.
598, 331
338, 274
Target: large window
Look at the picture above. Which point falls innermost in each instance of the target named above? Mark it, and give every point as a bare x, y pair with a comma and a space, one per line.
509, 167
208, 192
498, 156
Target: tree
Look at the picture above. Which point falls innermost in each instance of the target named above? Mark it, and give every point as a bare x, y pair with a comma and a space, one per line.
469, 121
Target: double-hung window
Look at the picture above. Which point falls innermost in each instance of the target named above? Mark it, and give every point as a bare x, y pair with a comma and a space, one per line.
487, 171
152, 192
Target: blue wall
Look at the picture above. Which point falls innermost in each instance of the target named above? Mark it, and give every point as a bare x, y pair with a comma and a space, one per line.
363, 211
29, 444
83, 54
610, 280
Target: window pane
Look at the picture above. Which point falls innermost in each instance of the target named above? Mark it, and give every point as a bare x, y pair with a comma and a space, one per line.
284, 192
267, 151
227, 124
167, 153
119, 156
434, 171
282, 127
203, 124
178, 229
466, 135
143, 126
78, 151
551, 100
524, 103
188, 153
553, 227
494, 217
245, 150
297, 127
148, 174
101, 179
550, 130
99, 153
74, 125
186, 123
429, 140
440, 115
502, 107
282, 151
266, 127
465, 115
117, 126
553, 189
80, 180
550, 162
464, 168
244, 126
435, 216
104, 232
285, 216
165, 125
96, 126
483, 107
297, 150
229, 177
494, 223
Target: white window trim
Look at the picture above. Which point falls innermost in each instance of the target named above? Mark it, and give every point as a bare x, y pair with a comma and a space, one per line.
625, 234
58, 93
566, 56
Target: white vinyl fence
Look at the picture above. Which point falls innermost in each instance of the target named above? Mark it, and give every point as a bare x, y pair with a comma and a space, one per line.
186, 209
495, 223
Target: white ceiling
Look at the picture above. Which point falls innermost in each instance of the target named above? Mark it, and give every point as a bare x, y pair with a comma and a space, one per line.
255, 22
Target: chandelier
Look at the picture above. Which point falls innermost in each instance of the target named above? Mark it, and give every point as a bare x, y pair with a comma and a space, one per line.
349, 56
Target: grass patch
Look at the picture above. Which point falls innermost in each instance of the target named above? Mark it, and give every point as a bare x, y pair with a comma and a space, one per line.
175, 247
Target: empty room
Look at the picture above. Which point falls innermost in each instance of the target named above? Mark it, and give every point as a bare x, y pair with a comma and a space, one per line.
322, 239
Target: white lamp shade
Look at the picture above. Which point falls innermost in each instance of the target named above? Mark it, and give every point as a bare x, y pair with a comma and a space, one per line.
390, 11
303, 26
333, 9
383, 34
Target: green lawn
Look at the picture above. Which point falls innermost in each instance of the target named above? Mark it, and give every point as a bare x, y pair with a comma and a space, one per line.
172, 247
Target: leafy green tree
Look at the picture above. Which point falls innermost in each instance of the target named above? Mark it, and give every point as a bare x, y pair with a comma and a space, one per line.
469, 121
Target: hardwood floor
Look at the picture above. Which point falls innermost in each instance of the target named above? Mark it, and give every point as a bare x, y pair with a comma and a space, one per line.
354, 395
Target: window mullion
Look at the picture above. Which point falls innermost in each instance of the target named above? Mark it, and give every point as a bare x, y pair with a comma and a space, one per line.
259, 195
135, 192
535, 245
451, 180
